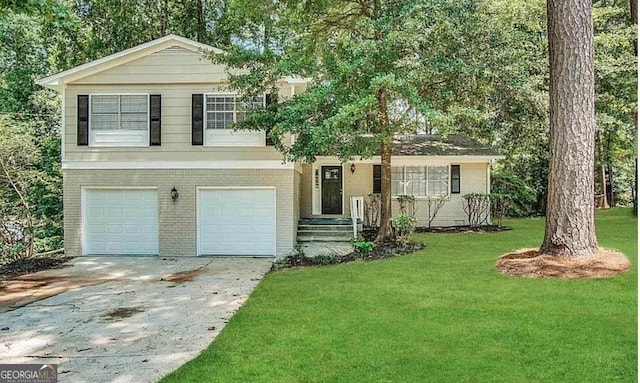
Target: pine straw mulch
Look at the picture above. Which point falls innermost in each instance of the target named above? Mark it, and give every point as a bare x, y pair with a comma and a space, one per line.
31, 265
529, 263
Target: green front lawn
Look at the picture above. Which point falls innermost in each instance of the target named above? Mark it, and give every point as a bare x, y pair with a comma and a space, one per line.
440, 315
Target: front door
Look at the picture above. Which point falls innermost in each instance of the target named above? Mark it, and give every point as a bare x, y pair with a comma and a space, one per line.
332, 190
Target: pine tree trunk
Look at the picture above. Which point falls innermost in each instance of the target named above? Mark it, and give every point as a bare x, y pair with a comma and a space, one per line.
570, 226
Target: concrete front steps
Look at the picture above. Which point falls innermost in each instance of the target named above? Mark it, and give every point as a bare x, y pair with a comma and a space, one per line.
325, 230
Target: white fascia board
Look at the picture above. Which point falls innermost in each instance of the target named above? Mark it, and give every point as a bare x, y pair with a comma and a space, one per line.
116, 165
59, 79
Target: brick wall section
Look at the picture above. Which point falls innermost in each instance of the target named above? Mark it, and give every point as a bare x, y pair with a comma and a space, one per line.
177, 221
306, 187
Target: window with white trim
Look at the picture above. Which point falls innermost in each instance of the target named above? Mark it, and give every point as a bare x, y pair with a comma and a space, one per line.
224, 110
420, 181
120, 112
119, 120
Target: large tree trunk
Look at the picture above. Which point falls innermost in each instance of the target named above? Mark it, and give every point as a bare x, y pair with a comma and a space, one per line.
385, 233
570, 226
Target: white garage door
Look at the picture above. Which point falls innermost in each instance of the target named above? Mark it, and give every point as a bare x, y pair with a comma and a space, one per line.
120, 222
236, 221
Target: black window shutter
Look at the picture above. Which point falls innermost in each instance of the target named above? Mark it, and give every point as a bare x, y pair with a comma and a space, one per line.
197, 120
269, 99
83, 120
155, 114
377, 179
455, 179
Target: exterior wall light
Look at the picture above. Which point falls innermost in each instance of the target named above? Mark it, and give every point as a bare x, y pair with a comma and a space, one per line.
174, 194
353, 168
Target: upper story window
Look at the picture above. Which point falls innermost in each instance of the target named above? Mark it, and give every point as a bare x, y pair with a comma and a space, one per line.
119, 120
420, 181
221, 111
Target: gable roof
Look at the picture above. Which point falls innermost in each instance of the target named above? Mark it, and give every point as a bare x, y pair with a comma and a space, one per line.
58, 80
435, 145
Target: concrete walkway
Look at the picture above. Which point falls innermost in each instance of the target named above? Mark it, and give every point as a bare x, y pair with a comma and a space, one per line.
123, 319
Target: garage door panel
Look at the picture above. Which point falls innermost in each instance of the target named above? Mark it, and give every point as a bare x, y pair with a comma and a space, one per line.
121, 222
236, 221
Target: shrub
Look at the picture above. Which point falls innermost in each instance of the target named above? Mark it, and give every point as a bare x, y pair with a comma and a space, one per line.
500, 205
523, 197
477, 206
404, 225
407, 204
363, 246
433, 207
372, 210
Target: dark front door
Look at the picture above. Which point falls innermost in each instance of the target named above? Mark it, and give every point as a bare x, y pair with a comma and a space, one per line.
332, 190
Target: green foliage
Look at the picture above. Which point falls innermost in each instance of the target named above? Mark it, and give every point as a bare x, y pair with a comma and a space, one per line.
522, 197
363, 246
404, 226
415, 52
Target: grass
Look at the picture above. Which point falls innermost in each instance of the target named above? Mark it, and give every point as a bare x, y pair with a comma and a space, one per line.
442, 314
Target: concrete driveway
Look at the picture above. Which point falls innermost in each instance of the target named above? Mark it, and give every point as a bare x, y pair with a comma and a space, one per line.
122, 319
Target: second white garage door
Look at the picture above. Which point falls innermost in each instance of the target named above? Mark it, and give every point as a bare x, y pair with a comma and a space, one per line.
236, 221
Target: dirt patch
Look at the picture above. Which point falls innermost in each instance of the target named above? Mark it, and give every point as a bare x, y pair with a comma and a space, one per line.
32, 265
529, 263
121, 313
380, 251
24, 289
183, 276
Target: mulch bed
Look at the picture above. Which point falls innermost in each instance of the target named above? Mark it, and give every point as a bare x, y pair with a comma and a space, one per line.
31, 265
380, 251
462, 229
529, 263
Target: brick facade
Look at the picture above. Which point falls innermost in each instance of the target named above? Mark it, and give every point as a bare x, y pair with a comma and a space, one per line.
177, 221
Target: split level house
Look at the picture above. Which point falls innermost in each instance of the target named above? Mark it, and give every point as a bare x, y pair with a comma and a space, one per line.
151, 166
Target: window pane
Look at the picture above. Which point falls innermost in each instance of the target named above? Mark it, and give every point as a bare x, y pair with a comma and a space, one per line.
104, 121
416, 180
134, 121
438, 183
133, 103
455, 179
377, 179
397, 180
104, 104
220, 103
219, 120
